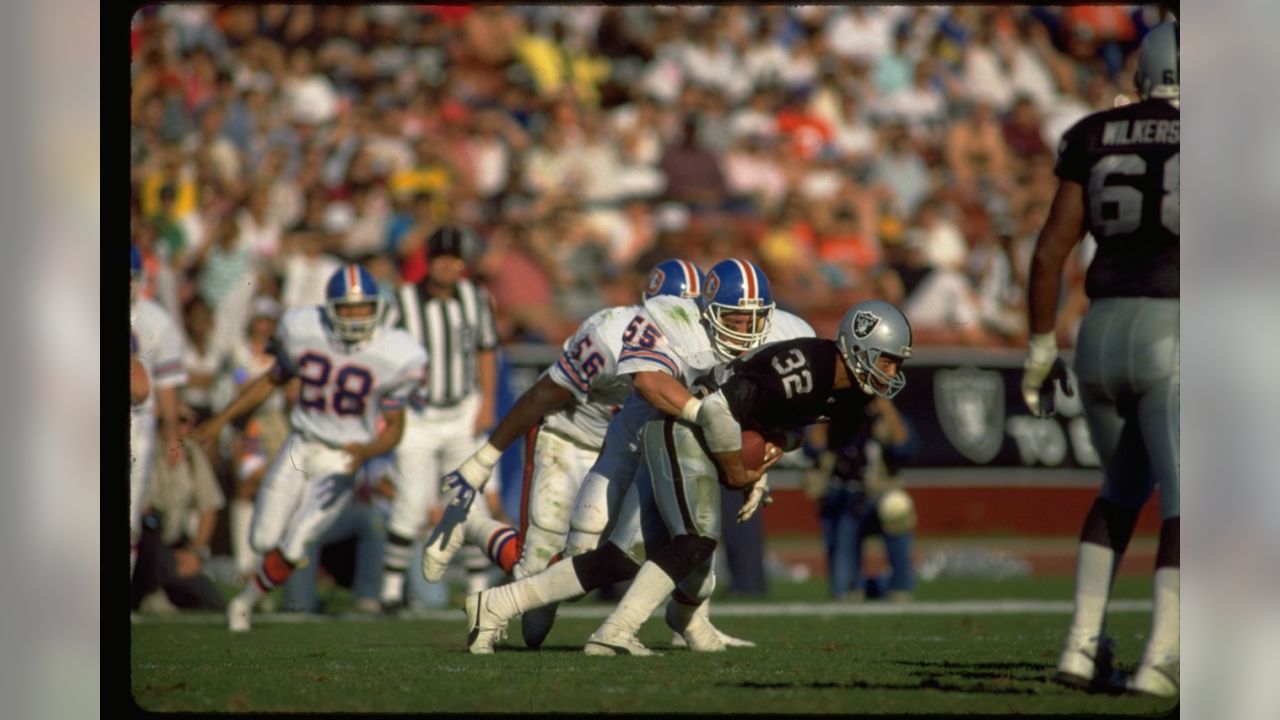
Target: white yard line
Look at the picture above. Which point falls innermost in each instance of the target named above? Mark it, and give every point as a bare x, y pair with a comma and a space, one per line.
957, 607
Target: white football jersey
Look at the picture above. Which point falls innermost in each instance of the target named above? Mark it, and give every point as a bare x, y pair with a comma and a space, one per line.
588, 368
157, 342
672, 338
344, 387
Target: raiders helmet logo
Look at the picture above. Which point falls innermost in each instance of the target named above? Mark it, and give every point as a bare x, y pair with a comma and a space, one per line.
970, 407
656, 278
713, 286
863, 323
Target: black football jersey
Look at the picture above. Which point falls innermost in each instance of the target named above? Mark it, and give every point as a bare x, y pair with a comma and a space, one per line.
786, 386
1127, 161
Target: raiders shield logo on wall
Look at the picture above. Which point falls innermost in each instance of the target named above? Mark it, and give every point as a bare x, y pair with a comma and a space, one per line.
970, 407
656, 278
863, 323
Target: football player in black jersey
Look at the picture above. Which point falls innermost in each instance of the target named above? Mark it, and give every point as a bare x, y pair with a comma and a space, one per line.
776, 389
1118, 172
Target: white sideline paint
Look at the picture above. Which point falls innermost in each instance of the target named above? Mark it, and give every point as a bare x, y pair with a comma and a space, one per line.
955, 607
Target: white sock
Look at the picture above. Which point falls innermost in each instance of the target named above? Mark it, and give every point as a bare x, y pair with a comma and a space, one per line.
251, 592
556, 583
479, 528
651, 586
1163, 642
1094, 569
392, 586
241, 519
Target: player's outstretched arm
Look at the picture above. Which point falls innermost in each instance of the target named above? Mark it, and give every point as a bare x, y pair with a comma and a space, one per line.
385, 442
664, 392
545, 397
250, 397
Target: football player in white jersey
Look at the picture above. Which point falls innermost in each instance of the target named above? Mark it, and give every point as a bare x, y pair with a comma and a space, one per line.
668, 345
564, 417
156, 343
351, 370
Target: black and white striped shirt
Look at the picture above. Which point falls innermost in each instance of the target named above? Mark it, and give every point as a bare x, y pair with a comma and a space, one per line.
453, 331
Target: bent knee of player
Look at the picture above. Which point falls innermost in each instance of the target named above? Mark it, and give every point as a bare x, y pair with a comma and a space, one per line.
697, 586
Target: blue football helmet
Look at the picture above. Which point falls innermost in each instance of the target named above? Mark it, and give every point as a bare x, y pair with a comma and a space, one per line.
736, 286
352, 285
679, 278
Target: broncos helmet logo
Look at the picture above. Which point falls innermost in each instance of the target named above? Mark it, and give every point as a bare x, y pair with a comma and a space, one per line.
713, 286
656, 279
863, 323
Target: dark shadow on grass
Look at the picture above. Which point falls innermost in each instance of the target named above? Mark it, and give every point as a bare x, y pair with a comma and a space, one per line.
925, 684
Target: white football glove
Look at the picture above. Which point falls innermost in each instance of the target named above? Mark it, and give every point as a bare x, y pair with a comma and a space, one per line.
756, 497
1039, 372
471, 476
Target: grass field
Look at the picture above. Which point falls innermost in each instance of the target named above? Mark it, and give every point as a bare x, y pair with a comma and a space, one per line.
899, 660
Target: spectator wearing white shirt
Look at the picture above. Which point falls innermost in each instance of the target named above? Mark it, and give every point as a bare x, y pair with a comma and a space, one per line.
759, 117
309, 94
202, 358
861, 33
712, 62
259, 230
750, 170
307, 271
766, 58
922, 106
854, 137
944, 245
986, 75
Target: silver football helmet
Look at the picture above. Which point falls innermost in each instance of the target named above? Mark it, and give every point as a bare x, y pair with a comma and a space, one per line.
1157, 74
867, 331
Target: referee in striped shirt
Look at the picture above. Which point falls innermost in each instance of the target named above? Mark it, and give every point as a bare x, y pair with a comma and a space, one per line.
453, 318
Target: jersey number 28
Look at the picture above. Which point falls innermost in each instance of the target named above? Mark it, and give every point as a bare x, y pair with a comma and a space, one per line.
351, 385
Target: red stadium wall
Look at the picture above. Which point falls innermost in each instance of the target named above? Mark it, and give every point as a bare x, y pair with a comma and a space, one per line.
1045, 511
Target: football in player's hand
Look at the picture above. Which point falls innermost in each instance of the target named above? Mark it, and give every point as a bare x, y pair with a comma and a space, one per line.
753, 444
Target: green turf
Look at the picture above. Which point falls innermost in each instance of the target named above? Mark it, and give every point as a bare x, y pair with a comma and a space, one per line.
990, 664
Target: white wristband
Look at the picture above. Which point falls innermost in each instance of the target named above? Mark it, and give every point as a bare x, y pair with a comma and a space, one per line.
690, 410
488, 456
1043, 348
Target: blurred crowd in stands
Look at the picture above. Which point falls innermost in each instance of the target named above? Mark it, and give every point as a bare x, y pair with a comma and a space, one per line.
898, 152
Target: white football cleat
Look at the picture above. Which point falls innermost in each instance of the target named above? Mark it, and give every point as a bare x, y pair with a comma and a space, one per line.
699, 635
537, 623
435, 560
484, 629
1156, 679
1090, 666
609, 641
238, 613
